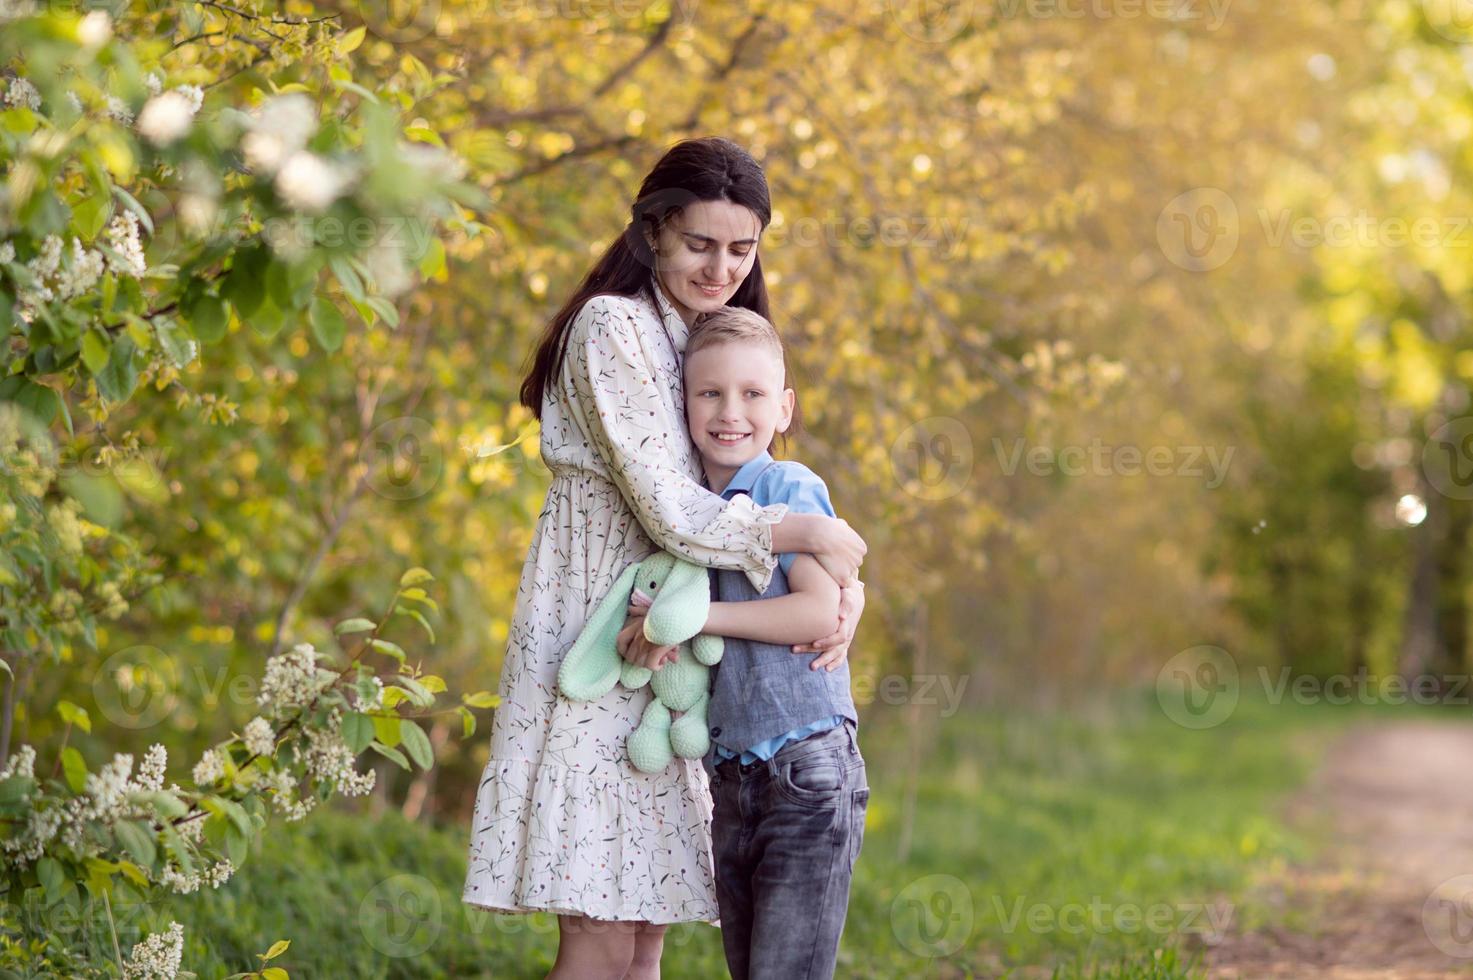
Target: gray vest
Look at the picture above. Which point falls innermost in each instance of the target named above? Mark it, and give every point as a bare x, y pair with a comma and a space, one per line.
761, 690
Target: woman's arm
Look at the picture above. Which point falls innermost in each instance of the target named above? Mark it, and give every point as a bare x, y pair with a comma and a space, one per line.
618, 404
809, 612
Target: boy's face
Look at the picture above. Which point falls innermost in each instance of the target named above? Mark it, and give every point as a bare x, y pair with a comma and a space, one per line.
735, 388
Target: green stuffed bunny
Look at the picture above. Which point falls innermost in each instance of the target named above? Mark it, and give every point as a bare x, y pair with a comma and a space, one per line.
678, 595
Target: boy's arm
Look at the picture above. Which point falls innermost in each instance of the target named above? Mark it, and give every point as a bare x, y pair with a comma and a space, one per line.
809, 612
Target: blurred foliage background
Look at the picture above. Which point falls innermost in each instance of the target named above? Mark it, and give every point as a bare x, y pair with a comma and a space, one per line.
1120, 328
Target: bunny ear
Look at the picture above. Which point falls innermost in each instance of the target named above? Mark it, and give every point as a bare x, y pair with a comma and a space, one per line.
680, 610
591, 666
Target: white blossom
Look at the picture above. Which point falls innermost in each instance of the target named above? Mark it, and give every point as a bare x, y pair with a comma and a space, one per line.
309, 182
118, 109
20, 92
157, 957
279, 127
328, 759
74, 102
166, 117
151, 770
292, 678
210, 767
389, 269
214, 876
154, 82
259, 738
123, 238
95, 30
282, 786
83, 272
7, 251
21, 763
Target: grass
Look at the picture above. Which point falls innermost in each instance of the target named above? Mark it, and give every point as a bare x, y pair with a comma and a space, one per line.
1080, 846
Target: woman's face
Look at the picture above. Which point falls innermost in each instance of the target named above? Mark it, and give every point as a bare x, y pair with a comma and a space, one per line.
704, 254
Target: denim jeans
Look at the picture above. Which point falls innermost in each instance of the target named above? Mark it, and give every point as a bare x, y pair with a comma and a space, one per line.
785, 835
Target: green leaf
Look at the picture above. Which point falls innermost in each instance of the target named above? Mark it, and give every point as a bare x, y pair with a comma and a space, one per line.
268, 319
417, 744
16, 788
481, 699
385, 309
131, 203
177, 344
347, 277
53, 878
355, 625
278, 947
74, 767
117, 380
414, 576
237, 845
467, 722
74, 715
274, 973
421, 696
137, 840
95, 348
415, 615
358, 731
245, 286
207, 318
389, 753
90, 215
328, 324
350, 41
386, 728
392, 649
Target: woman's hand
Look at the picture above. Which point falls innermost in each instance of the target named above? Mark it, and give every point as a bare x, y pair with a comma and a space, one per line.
639, 651
833, 649
840, 550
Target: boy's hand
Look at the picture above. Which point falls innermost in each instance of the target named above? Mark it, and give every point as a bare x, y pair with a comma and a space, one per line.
639, 651
833, 649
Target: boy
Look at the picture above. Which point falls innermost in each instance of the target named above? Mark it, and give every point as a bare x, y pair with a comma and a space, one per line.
787, 779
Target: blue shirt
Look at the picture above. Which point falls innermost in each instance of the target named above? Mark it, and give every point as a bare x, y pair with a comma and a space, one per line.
804, 493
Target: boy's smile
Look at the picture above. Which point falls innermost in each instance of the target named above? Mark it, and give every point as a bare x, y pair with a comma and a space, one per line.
734, 403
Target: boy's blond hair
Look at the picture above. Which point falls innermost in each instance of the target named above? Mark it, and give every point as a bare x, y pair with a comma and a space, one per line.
737, 323
731, 323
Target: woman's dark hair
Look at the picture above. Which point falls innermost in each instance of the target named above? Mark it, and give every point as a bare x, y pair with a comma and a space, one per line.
707, 169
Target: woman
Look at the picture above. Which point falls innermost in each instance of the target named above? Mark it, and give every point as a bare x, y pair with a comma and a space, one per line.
562, 822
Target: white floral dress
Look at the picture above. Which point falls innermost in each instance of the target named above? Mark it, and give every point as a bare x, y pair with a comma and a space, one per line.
562, 821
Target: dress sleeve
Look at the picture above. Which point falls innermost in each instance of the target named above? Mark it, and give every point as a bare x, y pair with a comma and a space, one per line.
615, 399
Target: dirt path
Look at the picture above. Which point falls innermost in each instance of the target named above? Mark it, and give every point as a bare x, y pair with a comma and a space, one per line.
1386, 901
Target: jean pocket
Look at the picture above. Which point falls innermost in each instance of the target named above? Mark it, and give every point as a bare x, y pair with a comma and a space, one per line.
815, 781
